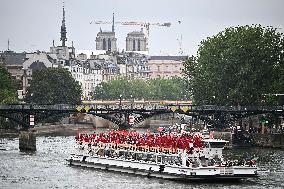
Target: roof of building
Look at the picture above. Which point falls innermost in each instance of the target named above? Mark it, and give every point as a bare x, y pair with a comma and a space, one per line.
37, 66
13, 59
136, 33
176, 58
106, 33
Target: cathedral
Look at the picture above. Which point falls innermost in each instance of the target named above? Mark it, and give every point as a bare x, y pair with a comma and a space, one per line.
106, 40
136, 41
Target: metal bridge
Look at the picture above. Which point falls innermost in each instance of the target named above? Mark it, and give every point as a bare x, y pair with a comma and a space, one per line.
119, 113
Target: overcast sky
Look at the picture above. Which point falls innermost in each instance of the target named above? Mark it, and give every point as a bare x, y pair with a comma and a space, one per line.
32, 24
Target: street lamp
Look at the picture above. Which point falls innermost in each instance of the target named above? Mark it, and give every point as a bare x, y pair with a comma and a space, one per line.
131, 102
120, 107
120, 101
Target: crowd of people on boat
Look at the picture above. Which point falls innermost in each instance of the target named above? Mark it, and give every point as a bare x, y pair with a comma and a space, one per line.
172, 141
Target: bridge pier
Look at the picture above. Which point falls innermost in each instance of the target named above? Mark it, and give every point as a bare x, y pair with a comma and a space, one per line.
27, 141
124, 126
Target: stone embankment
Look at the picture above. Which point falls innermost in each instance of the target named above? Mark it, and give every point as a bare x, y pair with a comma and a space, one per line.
49, 130
268, 140
61, 129
4, 133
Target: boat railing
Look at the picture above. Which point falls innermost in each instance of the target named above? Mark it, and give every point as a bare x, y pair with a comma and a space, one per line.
133, 147
226, 171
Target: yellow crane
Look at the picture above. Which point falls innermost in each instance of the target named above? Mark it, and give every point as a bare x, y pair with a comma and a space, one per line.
145, 25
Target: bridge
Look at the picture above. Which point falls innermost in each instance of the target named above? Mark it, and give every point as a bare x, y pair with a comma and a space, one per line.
119, 112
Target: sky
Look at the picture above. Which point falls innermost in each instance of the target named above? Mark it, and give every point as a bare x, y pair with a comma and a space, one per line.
32, 25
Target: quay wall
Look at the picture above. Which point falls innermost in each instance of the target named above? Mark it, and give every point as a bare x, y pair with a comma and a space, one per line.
275, 140
268, 140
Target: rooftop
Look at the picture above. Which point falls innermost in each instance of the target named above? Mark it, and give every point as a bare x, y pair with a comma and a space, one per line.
13, 59
176, 58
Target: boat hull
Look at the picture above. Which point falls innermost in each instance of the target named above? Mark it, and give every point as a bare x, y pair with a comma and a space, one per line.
163, 171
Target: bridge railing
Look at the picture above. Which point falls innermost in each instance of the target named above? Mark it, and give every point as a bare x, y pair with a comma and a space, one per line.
238, 108
68, 107
37, 107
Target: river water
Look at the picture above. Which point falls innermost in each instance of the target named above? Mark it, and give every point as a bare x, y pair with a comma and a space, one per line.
46, 168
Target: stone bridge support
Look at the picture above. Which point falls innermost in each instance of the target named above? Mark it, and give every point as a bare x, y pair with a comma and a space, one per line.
27, 141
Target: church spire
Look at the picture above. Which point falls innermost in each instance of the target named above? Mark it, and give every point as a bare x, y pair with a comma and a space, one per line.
63, 29
112, 22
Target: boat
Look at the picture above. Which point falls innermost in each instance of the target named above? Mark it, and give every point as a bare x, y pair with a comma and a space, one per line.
195, 162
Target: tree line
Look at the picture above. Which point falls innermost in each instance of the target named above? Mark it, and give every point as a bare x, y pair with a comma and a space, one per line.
174, 88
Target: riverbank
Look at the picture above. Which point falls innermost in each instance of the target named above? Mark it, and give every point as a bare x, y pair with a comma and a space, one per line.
62, 129
270, 140
8, 133
50, 130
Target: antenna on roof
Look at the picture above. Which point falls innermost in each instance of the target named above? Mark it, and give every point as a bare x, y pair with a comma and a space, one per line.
8, 44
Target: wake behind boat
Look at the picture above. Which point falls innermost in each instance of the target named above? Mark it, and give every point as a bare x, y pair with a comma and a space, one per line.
170, 156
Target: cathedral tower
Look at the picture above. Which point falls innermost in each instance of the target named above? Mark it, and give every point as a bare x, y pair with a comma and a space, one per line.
106, 40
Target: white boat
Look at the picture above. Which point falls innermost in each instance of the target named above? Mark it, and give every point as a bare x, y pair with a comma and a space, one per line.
206, 163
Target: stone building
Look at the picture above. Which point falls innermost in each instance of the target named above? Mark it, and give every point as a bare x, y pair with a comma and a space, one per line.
13, 62
136, 41
133, 66
166, 66
63, 52
106, 40
35, 61
87, 77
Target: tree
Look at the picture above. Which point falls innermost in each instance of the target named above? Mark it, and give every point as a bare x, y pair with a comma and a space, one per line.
153, 89
54, 86
8, 93
237, 66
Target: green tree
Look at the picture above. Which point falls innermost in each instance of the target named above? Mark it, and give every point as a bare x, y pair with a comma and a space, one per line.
54, 86
8, 93
153, 89
237, 66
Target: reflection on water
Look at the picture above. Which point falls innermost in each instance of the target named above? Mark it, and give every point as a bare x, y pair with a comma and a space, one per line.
46, 168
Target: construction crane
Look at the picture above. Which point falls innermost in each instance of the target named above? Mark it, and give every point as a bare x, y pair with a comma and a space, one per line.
180, 45
145, 25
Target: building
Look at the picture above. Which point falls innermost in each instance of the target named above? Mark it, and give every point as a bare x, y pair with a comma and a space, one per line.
63, 52
106, 40
166, 66
87, 77
136, 41
82, 57
35, 61
13, 62
135, 65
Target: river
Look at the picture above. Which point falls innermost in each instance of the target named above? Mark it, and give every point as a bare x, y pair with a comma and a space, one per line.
46, 168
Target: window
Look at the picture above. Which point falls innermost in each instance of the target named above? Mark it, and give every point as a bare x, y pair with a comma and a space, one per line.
109, 44
133, 45
138, 45
104, 44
